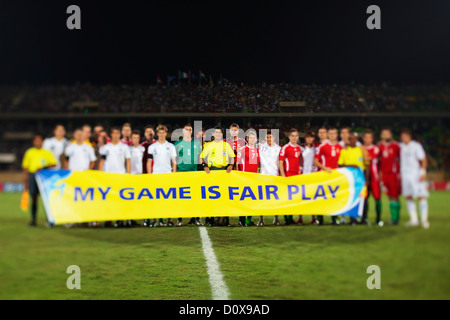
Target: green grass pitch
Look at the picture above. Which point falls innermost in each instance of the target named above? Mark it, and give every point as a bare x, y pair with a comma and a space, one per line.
294, 262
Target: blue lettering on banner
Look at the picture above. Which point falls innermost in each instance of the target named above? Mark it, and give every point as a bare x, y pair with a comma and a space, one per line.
247, 193
104, 193
128, 196
145, 193
79, 191
293, 190
320, 193
185, 193
333, 192
160, 191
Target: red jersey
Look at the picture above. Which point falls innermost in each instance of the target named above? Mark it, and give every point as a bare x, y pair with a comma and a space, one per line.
389, 157
128, 143
146, 145
293, 159
328, 154
236, 145
248, 159
374, 155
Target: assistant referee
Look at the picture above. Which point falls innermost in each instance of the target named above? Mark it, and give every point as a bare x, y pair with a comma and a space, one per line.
34, 160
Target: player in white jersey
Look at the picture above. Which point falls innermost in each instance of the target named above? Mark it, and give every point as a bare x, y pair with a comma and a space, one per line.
137, 153
162, 158
115, 159
79, 155
413, 168
269, 154
115, 155
308, 153
57, 144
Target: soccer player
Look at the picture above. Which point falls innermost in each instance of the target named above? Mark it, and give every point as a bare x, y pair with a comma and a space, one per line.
291, 161
269, 153
126, 134
373, 183
57, 144
188, 159
136, 152
390, 172
234, 141
34, 160
323, 135
115, 159
87, 134
414, 174
217, 155
79, 155
149, 134
162, 158
326, 159
248, 161
355, 157
308, 153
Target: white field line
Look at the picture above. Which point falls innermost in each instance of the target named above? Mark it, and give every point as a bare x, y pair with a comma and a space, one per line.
218, 286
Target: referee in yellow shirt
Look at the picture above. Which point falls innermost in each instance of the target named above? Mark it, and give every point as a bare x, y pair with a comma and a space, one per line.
355, 157
217, 155
34, 160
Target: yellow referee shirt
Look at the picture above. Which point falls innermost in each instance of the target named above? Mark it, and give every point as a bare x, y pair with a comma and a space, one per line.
352, 157
36, 159
218, 154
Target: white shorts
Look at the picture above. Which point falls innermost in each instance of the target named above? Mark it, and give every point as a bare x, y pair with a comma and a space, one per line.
412, 187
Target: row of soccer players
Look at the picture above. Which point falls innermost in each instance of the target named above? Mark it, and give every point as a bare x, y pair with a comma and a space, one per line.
396, 166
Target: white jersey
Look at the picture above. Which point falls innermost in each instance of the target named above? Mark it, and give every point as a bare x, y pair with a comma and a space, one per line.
137, 153
410, 156
269, 159
115, 156
343, 145
56, 147
80, 156
162, 156
308, 159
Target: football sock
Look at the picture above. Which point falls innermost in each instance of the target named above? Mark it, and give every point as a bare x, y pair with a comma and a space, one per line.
248, 222
423, 205
378, 209
412, 210
33, 211
395, 211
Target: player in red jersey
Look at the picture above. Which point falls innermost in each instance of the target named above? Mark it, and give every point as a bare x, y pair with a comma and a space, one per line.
373, 185
236, 144
248, 161
390, 172
323, 136
291, 162
327, 157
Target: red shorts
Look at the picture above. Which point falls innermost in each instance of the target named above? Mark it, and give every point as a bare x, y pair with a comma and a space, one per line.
374, 188
391, 182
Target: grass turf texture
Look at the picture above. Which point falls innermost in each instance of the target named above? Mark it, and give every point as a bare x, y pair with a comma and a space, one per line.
307, 262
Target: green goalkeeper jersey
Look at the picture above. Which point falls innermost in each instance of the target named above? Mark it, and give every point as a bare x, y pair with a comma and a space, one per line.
188, 154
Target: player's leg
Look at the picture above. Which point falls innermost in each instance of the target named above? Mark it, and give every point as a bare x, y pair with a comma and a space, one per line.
392, 184
422, 194
376, 193
33, 191
408, 190
300, 220
242, 221
249, 222
276, 221
261, 221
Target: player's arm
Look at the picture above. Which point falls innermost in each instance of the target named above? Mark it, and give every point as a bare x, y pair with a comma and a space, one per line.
281, 165
322, 167
174, 165
128, 164
93, 159
231, 157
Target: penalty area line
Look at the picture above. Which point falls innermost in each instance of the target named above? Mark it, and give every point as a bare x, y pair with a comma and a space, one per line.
218, 287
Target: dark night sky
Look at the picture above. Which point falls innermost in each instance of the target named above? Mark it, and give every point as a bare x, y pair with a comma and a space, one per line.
251, 41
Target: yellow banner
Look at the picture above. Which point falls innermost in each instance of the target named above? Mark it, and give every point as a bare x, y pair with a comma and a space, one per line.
74, 197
